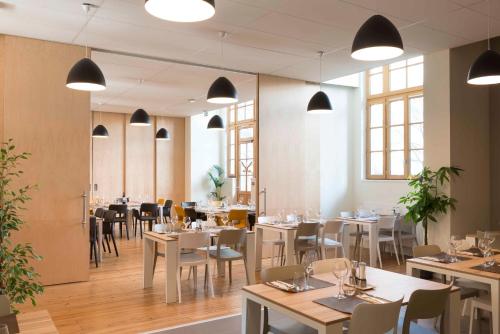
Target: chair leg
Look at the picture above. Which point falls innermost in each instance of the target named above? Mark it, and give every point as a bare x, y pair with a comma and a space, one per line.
121, 233
140, 227
107, 242
95, 255
379, 255
91, 247
272, 255
126, 229
114, 243
323, 253
179, 284
195, 277
401, 248
395, 250
155, 257
230, 272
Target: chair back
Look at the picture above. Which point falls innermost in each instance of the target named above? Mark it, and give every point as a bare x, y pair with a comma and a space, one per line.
327, 265
188, 204
109, 219
99, 212
280, 273
167, 207
241, 216
136, 214
426, 304
191, 213
193, 240
426, 250
150, 209
160, 201
266, 219
375, 318
92, 229
307, 230
387, 222
232, 237
121, 209
179, 211
332, 228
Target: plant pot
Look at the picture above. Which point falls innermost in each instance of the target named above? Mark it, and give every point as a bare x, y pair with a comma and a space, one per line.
216, 204
6, 317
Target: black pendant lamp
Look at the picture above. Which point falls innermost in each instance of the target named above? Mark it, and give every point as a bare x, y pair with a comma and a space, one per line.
181, 10
85, 74
485, 70
222, 91
100, 131
215, 123
319, 102
162, 134
140, 118
377, 39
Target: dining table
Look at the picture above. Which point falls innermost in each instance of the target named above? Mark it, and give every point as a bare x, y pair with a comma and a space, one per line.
170, 245
470, 268
304, 308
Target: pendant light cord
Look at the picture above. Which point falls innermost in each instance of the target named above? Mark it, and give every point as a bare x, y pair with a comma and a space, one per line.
489, 16
320, 68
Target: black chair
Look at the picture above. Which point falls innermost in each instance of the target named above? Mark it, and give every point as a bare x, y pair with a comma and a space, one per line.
108, 229
121, 216
93, 240
99, 212
188, 204
148, 212
191, 213
167, 208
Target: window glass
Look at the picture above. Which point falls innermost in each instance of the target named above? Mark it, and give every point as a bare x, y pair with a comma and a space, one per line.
377, 139
397, 112
416, 75
376, 115
416, 109
397, 163
397, 137
377, 163
417, 161
416, 136
397, 79
376, 84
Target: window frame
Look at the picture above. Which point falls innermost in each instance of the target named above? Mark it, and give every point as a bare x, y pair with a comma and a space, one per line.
385, 98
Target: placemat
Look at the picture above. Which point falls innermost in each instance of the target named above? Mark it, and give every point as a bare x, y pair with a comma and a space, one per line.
313, 283
493, 269
474, 251
345, 305
443, 258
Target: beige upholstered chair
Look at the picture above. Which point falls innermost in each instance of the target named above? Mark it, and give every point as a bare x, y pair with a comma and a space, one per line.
331, 237
375, 318
274, 243
326, 265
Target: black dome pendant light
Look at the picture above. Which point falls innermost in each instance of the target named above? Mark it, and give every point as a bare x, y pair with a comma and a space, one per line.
215, 123
162, 134
100, 130
222, 91
181, 10
377, 39
85, 74
485, 70
140, 118
319, 102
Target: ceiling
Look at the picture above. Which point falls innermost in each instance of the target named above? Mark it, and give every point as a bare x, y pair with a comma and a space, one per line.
278, 37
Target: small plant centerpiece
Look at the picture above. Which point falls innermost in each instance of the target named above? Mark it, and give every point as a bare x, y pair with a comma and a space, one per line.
216, 176
18, 279
426, 199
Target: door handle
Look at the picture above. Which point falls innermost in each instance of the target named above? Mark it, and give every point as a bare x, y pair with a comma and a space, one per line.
84, 216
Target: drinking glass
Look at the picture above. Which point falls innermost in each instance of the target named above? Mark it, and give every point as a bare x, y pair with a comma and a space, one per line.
298, 281
454, 242
340, 272
4, 329
308, 268
187, 221
225, 220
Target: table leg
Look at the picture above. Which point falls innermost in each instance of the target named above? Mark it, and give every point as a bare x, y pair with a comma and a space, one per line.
452, 314
171, 271
99, 240
250, 258
250, 316
410, 271
495, 306
346, 240
161, 213
373, 237
258, 247
289, 247
148, 257
331, 329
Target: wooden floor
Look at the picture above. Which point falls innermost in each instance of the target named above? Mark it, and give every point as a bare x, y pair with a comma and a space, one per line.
113, 301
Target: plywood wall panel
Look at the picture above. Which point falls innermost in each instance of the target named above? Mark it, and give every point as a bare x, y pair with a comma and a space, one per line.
51, 122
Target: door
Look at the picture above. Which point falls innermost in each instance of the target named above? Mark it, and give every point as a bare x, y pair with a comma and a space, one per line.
51, 122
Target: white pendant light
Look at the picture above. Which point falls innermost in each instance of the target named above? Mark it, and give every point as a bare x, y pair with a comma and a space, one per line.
181, 10
485, 70
319, 102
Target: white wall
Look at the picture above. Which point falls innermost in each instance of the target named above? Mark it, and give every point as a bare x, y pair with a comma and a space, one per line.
207, 148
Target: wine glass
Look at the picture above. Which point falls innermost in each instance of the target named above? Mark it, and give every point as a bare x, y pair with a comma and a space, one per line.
454, 242
225, 220
340, 272
308, 270
188, 222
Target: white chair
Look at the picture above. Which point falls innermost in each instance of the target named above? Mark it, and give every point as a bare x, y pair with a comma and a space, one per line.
405, 231
387, 233
327, 265
198, 243
279, 243
330, 236
375, 318
482, 303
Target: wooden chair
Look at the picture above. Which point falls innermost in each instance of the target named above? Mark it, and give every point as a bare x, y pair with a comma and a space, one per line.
179, 211
121, 216
375, 318
99, 212
160, 201
279, 243
197, 246
167, 207
108, 230
236, 240
306, 239
273, 321
240, 216
330, 236
93, 240
148, 212
387, 233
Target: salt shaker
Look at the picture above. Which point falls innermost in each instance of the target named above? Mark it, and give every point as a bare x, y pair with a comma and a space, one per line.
362, 274
354, 274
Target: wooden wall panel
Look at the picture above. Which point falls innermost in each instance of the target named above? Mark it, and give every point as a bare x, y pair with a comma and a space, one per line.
170, 159
139, 162
109, 156
52, 122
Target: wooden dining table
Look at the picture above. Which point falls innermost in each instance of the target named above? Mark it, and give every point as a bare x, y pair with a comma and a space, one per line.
170, 245
464, 269
301, 307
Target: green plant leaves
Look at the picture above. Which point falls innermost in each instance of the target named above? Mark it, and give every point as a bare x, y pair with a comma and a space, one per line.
216, 176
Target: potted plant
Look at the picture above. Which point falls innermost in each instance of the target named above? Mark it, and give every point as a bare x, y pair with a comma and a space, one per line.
426, 200
216, 176
18, 279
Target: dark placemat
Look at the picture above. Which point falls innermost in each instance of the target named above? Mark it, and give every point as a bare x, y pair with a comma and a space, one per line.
345, 305
443, 258
493, 269
313, 283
